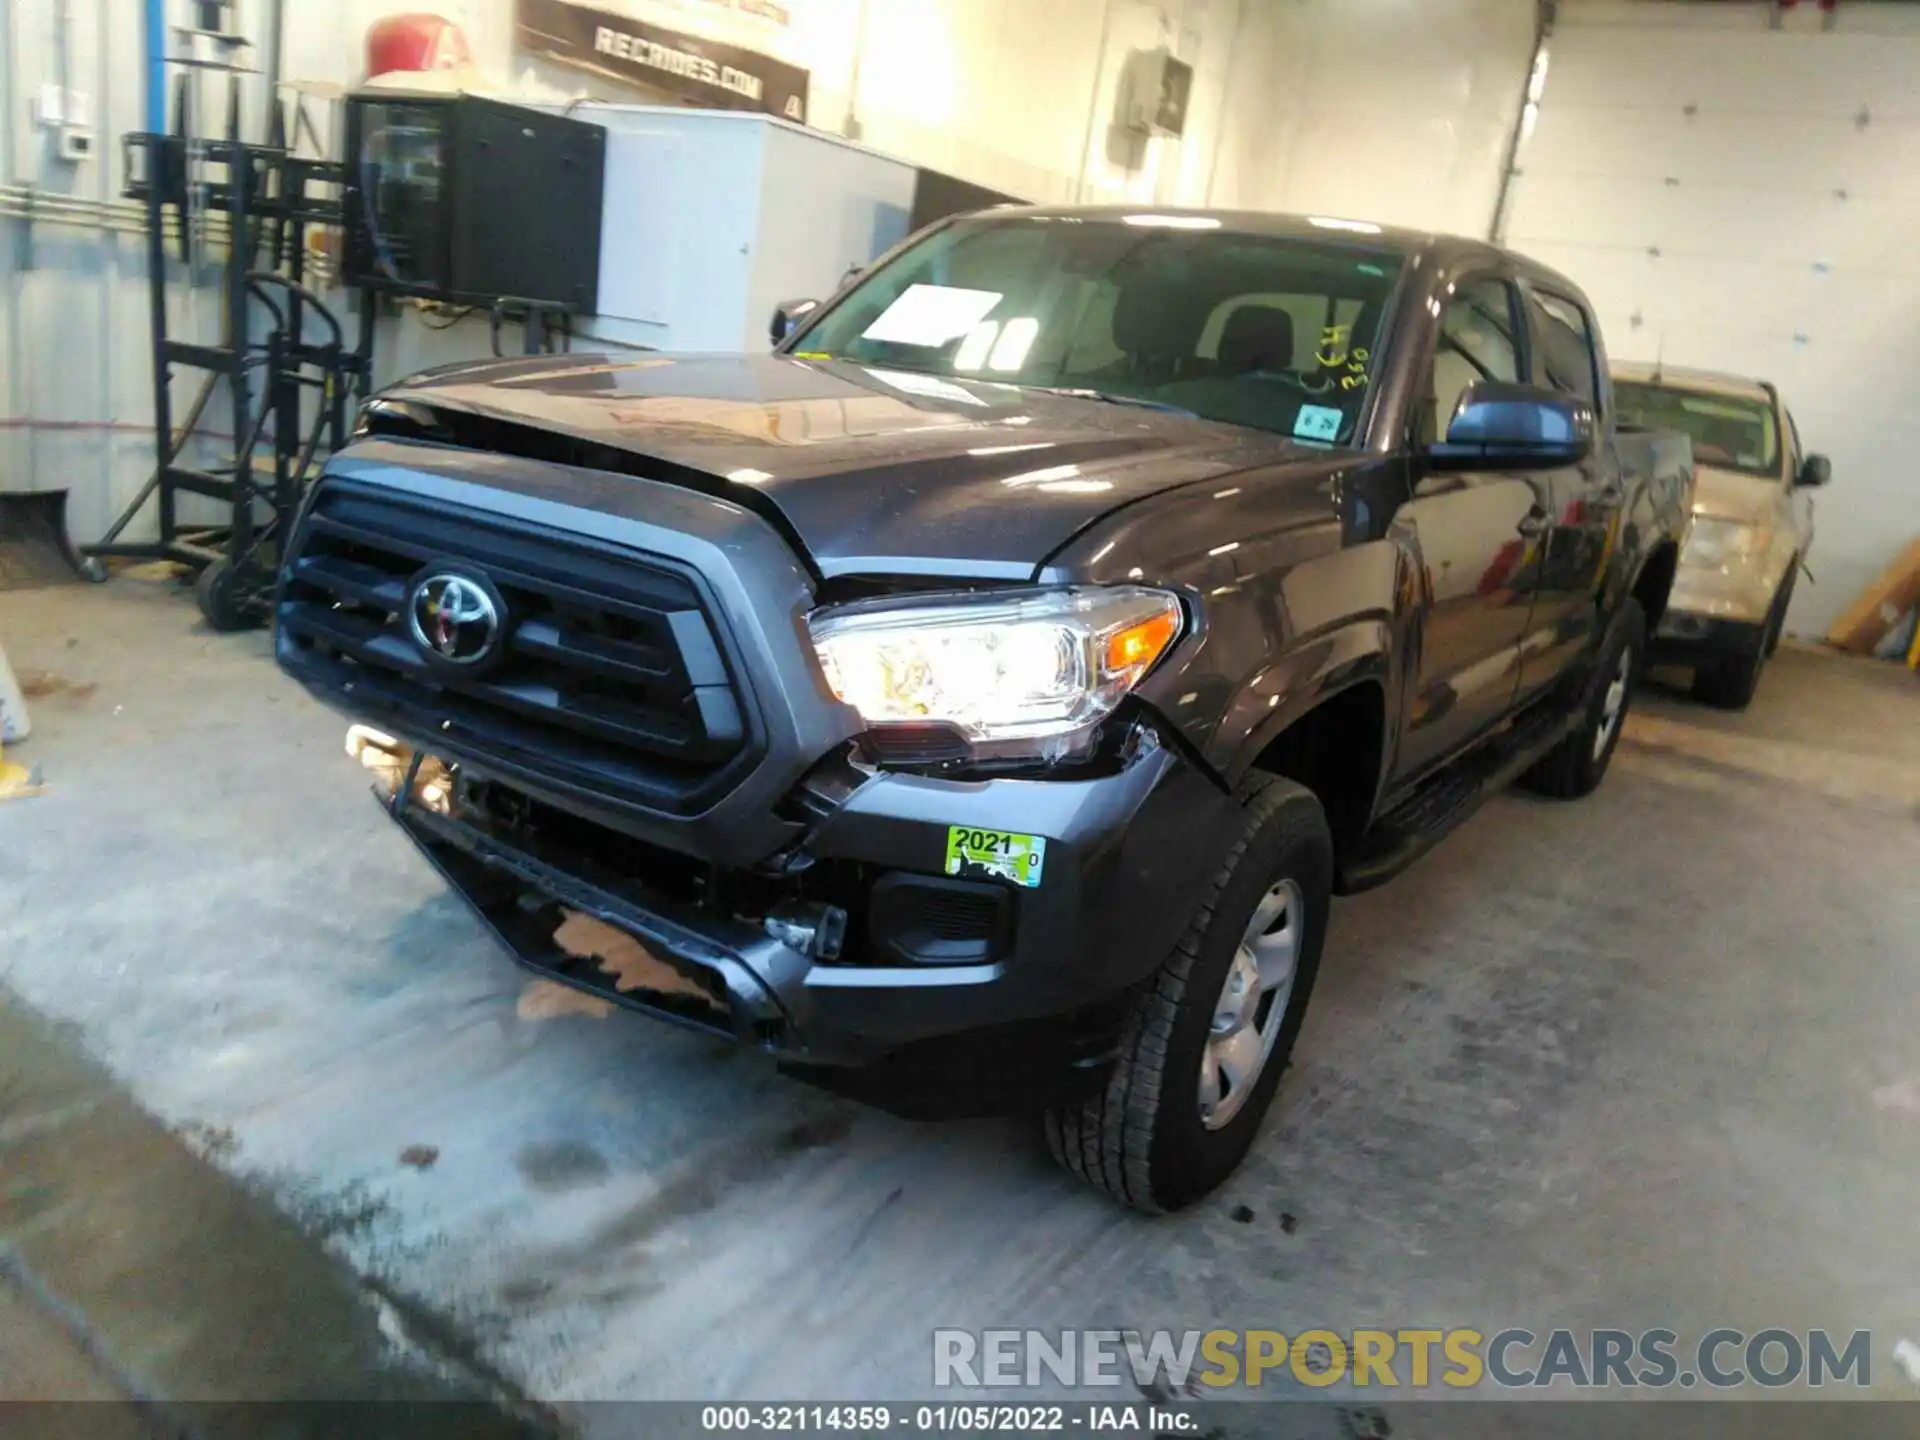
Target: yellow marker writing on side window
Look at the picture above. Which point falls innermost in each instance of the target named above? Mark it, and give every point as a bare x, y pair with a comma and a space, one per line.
1333, 340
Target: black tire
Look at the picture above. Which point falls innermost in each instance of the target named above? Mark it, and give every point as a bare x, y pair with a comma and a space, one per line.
219, 592
1576, 766
1731, 682
1142, 1140
1779, 625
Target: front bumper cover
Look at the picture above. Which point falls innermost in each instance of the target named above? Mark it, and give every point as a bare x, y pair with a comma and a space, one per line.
1125, 853
1714, 612
1742, 596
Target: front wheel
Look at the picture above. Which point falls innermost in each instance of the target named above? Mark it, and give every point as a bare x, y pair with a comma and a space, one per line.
1731, 682
1207, 1039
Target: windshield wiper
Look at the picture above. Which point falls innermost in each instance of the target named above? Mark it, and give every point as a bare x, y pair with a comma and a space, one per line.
1077, 393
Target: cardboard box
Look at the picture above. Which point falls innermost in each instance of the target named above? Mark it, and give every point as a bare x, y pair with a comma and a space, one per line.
1881, 606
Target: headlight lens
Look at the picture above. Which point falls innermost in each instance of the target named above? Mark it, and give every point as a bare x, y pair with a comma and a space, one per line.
1030, 674
1716, 544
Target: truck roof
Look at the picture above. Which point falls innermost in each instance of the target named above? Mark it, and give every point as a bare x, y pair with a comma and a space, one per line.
1716, 382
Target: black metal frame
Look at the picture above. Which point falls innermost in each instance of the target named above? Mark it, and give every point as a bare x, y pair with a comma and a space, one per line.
269, 197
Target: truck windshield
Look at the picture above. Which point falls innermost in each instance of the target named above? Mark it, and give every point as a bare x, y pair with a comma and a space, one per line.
1272, 332
1729, 432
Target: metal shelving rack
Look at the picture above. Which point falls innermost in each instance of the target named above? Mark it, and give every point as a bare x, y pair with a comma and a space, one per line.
268, 198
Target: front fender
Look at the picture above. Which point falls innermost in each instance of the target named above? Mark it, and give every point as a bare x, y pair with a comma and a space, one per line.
1297, 683
1744, 593
1276, 639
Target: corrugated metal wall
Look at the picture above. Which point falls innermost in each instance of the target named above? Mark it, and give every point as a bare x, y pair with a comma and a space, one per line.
74, 377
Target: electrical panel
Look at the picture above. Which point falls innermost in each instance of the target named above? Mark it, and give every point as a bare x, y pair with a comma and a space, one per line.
1154, 91
467, 200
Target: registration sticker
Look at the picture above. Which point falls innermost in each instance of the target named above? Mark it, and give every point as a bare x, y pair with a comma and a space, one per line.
979, 853
1317, 422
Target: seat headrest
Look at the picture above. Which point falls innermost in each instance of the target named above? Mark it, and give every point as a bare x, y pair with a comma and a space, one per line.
1256, 337
1155, 319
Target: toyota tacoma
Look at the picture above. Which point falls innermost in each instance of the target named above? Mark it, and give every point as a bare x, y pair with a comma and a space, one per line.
996, 681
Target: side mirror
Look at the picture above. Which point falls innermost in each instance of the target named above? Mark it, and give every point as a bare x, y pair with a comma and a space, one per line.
1815, 470
787, 316
1499, 426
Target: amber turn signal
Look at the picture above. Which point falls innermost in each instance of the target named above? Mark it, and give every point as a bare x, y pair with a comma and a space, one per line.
1140, 644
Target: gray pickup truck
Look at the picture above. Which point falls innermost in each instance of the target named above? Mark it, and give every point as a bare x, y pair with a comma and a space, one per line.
980, 699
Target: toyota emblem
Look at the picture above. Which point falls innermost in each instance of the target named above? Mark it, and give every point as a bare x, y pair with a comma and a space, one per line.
453, 618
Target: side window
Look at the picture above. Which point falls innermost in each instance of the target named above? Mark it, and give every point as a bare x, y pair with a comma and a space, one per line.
1476, 343
1795, 455
1567, 360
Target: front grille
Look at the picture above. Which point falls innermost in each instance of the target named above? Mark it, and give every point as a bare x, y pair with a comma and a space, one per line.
612, 678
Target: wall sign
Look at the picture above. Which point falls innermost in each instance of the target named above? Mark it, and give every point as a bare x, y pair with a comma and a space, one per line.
690, 67
770, 11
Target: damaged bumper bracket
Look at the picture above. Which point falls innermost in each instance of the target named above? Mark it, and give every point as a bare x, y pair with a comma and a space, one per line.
497, 880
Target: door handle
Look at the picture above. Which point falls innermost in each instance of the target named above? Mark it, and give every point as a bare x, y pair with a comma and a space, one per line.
1534, 522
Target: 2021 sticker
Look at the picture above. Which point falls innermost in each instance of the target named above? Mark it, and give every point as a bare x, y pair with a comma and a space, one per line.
977, 854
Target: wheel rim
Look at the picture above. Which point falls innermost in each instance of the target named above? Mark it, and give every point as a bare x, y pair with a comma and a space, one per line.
1252, 1003
1614, 702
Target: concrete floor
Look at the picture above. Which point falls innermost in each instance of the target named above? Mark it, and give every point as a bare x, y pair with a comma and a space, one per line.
1648, 1059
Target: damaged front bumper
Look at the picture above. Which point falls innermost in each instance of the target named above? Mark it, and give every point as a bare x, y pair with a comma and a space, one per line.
1043, 974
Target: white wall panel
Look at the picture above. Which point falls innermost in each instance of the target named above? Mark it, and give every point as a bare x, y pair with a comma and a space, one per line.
1748, 199
1392, 110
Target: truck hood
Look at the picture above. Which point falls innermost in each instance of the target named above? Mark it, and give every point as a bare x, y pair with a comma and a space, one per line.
1730, 495
876, 471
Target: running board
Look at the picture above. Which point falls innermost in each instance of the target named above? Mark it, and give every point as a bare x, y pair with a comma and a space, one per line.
1441, 804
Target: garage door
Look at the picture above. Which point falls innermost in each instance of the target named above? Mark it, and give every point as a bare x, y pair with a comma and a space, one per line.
1744, 195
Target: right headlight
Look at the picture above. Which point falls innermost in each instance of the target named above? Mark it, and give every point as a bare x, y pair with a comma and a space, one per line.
1716, 544
1016, 674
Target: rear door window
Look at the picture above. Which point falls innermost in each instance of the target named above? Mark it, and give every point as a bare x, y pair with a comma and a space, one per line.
1565, 356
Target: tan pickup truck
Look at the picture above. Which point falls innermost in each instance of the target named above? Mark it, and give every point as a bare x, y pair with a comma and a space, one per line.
1752, 520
